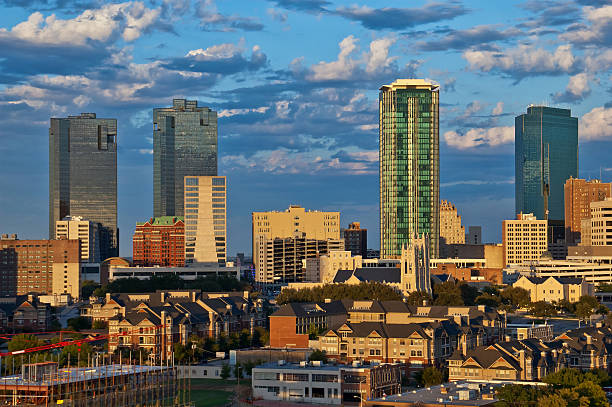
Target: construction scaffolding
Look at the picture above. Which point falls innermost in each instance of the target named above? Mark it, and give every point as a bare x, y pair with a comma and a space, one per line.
113, 385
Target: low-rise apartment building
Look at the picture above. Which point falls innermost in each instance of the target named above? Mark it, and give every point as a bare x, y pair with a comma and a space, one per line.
528, 331
555, 289
532, 359
319, 383
24, 313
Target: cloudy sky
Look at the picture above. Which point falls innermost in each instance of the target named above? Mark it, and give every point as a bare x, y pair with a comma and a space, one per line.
296, 83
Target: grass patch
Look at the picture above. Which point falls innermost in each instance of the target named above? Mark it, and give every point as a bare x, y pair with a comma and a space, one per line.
210, 398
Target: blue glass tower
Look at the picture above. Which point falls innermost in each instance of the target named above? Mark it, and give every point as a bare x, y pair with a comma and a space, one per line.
546, 155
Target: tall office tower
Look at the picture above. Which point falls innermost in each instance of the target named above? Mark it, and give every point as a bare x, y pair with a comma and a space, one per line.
294, 222
415, 273
409, 165
83, 175
601, 223
205, 220
75, 227
524, 239
159, 242
546, 155
579, 194
451, 230
474, 235
356, 239
184, 144
39, 266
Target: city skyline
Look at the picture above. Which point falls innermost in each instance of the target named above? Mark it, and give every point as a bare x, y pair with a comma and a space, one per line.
286, 107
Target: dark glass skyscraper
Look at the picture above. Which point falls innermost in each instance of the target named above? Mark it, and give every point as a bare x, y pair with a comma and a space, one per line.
184, 144
83, 175
546, 155
409, 156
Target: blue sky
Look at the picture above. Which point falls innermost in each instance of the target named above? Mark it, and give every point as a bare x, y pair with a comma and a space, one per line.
296, 86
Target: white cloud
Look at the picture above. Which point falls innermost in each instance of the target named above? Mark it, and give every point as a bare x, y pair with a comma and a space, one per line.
523, 60
349, 66
596, 124
81, 100
146, 151
577, 88
599, 30
235, 112
127, 20
480, 137
214, 52
498, 109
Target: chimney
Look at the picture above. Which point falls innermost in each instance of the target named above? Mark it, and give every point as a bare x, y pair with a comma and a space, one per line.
463, 346
589, 339
327, 300
245, 294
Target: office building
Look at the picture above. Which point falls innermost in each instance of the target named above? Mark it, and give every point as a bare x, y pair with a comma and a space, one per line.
193, 272
451, 230
75, 227
474, 235
546, 155
205, 220
295, 222
318, 383
184, 144
601, 223
39, 266
524, 239
83, 175
409, 155
579, 194
356, 239
282, 260
159, 242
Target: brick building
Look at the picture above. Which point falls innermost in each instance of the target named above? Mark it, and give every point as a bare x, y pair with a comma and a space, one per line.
356, 239
159, 242
470, 274
579, 194
39, 266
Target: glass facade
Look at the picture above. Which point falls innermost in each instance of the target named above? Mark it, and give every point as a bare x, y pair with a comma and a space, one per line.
184, 144
409, 152
83, 175
546, 155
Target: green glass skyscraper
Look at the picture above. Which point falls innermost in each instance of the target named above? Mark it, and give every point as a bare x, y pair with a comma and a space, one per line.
184, 144
546, 155
409, 158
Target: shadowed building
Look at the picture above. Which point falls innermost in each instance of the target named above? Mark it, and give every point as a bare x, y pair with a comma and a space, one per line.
356, 239
184, 144
83, 175
409, 165
546, 155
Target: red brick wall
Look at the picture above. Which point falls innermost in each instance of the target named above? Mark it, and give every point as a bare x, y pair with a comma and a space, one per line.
282, 333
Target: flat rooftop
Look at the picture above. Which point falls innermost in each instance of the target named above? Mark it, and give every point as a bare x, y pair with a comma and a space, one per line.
309, 366
79, 374
447, 394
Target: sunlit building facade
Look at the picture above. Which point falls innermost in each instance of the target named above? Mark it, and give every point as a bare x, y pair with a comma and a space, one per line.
409, 152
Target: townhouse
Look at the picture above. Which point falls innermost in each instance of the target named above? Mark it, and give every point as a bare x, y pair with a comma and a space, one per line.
554, 289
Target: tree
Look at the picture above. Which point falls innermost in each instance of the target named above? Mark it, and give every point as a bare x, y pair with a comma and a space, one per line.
419, 298
542, 309
468, 293
318, 355
238, 371
99, 325
261, 336
586, 306
431, 376
88, 287
447, 293
515, 297
566, 377
225, 371
593, 392
79, 323
488, 300
362, 291
516, 395
552, 400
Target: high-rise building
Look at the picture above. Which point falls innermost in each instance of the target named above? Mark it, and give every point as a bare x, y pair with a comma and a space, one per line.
184, 144
39, 266
524, 239
474, 235
409, 153
546, 155
75, 227
83, 175
295, 222
579, 194
451, 230
205, 219
282, 260
601, 223
159, 242
356, 239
